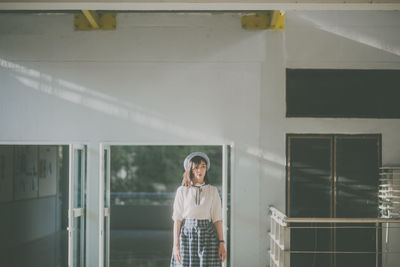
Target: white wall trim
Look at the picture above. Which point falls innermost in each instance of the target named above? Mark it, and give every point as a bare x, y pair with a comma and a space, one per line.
19, 142
115, 143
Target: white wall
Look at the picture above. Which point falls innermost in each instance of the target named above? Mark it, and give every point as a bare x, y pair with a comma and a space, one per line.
187, 78
165, 79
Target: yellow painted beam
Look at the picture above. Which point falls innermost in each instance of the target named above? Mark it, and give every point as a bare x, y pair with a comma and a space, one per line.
270, 20
257, 21
102, 21
274, 18
278, 20
93, 18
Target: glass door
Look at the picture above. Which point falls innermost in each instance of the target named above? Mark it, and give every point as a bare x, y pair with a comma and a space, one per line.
334, 176
104, 202
143, 186
77, 206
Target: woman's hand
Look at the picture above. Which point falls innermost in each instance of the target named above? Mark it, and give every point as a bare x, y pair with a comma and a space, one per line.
177, 253
175, 246
222, 252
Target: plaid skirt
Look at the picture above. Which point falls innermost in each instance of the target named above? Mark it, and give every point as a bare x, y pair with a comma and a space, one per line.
198, 241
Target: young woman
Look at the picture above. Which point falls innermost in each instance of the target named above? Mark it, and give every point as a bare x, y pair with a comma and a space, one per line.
198, 238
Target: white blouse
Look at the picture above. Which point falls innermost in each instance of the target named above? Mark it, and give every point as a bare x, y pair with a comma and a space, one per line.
208, 206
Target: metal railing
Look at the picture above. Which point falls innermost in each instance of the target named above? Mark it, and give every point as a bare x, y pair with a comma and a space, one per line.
281, 235
141, 198
279, 239
389, 192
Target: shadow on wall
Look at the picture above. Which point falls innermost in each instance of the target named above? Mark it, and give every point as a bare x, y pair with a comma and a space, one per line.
330, 22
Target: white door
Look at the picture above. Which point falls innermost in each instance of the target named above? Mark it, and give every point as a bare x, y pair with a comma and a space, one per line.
77, 206
104, 202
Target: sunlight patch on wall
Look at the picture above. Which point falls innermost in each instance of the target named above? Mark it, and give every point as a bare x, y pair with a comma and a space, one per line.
100, 102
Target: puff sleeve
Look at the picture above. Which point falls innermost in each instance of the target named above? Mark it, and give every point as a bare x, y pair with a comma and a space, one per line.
177, 214
216, 212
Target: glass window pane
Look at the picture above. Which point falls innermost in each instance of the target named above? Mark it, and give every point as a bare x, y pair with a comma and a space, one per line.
34, 205
77, 242
105, 178
144, 180
78, 179
105, 255
357, 170
310, 176
356, 160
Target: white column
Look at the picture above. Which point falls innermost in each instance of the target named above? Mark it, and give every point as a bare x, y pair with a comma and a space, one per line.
92, 198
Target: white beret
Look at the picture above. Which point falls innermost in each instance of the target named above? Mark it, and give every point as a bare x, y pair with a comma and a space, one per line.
194, 154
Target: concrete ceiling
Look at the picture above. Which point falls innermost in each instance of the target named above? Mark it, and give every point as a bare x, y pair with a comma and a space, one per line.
200, 5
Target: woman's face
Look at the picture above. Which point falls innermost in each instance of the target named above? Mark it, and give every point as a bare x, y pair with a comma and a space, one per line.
199, 171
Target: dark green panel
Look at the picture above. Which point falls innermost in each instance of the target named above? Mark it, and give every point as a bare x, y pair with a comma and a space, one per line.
356, 159
310, 260
352, 239
356, 260
342, 93
311, 239
309, 176
357, 171
309, 186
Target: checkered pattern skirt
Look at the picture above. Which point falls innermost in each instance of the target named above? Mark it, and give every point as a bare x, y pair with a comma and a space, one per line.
199, 244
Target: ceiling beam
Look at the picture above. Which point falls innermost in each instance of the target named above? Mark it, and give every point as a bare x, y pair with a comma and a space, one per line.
92, 17
200, 5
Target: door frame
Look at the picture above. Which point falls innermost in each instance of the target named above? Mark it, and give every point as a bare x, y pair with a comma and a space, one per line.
104, 211
224, 196
71, 213
76, 212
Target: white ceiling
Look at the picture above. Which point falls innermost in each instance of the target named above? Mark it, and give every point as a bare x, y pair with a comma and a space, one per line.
200, 5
